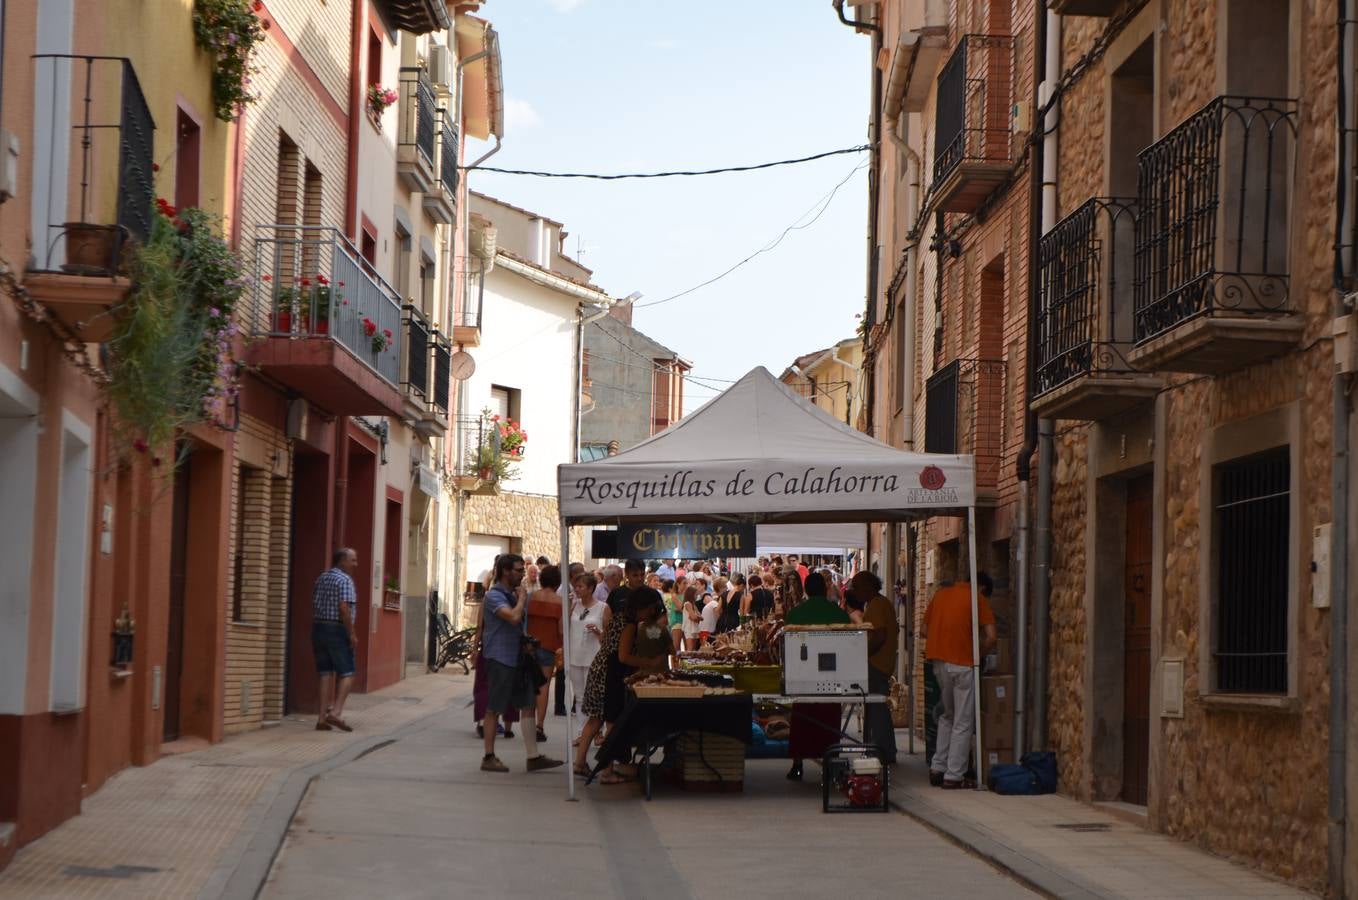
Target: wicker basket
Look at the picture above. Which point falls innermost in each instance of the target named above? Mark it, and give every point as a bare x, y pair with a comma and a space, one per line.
668, 691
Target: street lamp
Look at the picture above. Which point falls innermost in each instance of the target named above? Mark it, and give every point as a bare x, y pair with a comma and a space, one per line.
581, 322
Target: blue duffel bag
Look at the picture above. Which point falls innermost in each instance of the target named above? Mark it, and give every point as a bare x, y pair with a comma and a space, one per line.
1043, 765
1011, 778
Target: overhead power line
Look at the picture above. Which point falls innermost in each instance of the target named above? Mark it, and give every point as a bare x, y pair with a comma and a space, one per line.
819, 208
619, 176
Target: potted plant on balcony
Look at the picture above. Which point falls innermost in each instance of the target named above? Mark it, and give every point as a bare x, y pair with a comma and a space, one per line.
380, 340
391, 593
95, 249
170, 361
284, 306
513, 439
313, 304
379, 99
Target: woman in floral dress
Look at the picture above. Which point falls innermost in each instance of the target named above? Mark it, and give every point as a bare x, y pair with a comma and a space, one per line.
596, 687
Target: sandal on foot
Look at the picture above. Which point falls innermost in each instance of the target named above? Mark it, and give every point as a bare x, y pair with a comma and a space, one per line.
542, 736
613, 778
338, 723
322, 726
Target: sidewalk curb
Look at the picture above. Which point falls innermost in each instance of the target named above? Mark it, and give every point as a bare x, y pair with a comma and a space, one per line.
250, 858
1035, 873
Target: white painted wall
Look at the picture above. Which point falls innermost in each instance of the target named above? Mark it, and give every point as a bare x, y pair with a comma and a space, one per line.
528, 334
481, 552
69, 621
18, 482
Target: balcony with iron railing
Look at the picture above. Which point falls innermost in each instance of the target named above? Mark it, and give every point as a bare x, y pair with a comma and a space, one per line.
964, 413
416, 136
440, 201
1211, 282
425, 355
329, 327
92, 186
443, 376
1084, 316
477, 463
467, 316
972, 145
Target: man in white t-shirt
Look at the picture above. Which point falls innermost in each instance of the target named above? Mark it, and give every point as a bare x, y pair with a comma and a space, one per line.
711, 610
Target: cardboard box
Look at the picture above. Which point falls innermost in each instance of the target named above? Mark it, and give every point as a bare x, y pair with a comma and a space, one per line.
997, 707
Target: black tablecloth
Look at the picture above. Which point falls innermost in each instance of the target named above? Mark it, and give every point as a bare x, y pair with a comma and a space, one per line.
647, 723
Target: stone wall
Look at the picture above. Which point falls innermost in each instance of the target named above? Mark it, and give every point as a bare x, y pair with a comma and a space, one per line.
531, 522
1248, 784
1066, 648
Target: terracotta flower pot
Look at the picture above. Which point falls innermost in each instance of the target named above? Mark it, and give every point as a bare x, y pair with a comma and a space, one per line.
284, 321
92, 249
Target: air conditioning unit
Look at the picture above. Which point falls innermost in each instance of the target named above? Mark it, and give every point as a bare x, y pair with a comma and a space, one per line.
441, 66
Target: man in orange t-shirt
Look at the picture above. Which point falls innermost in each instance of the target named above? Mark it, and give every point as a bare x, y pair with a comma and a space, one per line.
947, 631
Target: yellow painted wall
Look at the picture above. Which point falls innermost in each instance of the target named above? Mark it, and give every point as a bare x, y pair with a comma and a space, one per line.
158, 38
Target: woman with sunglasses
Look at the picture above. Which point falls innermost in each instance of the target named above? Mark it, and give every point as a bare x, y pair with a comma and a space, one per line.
589, 621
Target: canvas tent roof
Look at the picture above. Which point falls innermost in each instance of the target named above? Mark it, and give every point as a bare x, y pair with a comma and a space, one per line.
758, 452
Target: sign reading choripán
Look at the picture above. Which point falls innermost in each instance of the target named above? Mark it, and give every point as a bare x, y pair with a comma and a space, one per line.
705, 541
628, 490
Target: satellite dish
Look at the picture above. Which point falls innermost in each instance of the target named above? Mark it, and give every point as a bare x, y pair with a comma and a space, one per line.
461, 365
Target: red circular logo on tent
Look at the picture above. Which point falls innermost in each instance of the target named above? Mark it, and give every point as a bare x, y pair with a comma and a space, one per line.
932, 478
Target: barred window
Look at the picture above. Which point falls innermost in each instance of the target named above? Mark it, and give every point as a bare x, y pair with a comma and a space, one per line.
1252, 510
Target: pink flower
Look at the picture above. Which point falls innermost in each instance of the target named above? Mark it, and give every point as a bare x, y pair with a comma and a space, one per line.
140, 446
268, 278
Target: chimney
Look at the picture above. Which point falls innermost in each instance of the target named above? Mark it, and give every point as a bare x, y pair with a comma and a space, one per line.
613, 447
539, 246
622, 312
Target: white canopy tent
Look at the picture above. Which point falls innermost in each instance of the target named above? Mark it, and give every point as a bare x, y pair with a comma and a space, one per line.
828, 538
759, 453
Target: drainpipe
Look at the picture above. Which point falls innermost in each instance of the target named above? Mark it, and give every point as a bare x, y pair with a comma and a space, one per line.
579, 380
341, 481
1042, 528
1046, 64
1339, 527
355, 121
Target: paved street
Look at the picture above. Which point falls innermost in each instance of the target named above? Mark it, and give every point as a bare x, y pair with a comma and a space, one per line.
400, 808
418, 814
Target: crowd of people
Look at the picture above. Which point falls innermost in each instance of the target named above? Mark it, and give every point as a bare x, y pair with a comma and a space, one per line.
632, 618
636, 618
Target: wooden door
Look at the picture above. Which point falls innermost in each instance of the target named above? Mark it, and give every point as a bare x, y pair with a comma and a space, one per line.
1136, 683
174, 645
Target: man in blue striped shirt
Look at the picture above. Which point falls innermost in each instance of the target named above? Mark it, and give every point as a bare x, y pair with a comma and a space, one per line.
334, 602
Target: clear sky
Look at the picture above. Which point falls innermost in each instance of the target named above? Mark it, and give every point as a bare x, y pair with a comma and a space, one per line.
654, 85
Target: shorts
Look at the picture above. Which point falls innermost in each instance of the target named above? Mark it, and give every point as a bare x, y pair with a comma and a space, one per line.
545, 658
505, 690
334, 655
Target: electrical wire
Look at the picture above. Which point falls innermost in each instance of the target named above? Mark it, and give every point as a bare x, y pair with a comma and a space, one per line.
616, 177
823, 204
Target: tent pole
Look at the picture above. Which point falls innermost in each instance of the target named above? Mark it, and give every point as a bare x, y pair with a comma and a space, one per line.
912, 544
975, 645
566, 587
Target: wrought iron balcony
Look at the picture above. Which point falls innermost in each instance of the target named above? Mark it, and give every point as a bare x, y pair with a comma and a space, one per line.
477, 454
467, 317
85, 219
1211, 282
417, 352
964, 413
333, 324
415, 145
1084, 317
443, 357
972, 146
440, 202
